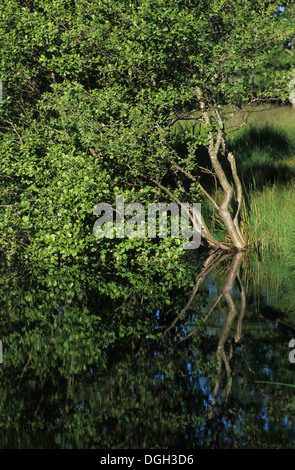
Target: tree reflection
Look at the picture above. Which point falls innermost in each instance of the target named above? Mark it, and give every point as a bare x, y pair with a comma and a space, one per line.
222, 358
226, 293
96, 359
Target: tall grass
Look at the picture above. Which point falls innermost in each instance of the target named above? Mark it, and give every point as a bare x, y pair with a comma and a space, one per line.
269, 219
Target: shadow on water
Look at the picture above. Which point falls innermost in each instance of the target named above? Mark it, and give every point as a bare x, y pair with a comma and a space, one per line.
90, 361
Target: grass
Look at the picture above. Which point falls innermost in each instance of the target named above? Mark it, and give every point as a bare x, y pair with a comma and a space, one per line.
271, 115
269, 218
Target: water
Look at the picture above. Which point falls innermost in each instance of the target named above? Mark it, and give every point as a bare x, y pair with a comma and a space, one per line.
188, 357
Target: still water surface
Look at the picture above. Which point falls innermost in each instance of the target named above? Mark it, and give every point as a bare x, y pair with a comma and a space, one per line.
103, 360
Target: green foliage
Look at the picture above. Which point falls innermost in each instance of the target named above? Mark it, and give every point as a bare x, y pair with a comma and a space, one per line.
91, 90
279, 59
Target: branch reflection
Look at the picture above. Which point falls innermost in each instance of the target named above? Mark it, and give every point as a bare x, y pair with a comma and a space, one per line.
223, 358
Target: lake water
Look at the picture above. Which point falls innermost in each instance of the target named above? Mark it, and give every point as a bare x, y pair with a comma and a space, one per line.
188, 358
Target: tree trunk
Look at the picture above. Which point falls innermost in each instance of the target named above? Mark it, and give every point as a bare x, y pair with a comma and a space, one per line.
230, 221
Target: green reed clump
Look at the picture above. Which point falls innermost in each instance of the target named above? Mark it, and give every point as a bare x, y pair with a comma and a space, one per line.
269, 219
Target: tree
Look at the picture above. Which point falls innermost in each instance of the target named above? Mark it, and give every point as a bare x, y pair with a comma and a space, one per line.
280, 58
91, 93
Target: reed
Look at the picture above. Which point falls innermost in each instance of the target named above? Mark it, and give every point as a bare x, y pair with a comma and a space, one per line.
268, 221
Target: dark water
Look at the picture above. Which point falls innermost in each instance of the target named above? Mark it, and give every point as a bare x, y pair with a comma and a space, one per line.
192, 356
